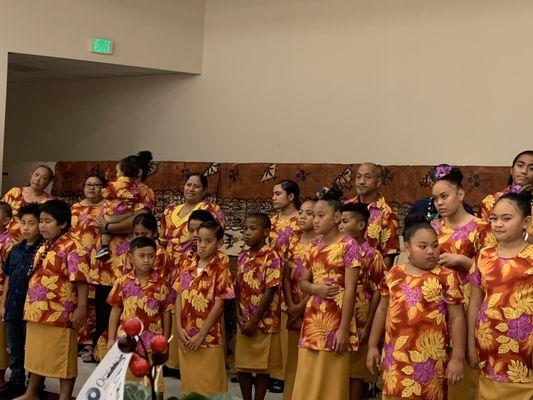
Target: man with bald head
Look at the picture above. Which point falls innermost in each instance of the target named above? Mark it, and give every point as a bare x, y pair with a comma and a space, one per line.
382, 230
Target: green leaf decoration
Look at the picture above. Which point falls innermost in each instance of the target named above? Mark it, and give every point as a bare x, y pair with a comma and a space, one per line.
136, 391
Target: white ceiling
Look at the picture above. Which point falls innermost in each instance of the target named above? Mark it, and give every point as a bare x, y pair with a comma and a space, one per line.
27, 67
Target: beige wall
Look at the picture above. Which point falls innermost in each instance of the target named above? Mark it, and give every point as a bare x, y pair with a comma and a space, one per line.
398, 82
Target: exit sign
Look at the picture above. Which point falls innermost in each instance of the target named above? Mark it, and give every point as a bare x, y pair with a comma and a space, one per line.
101, 46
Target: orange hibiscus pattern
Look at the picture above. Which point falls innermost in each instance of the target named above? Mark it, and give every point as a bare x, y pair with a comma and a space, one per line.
504, 325
147, 198
147, 300
283, 234
371, 275
52, 292
173, 228
295, 263
382, 229
487, 204
106, 272
6, 242
322, 317
198, 293
120, 196
16, 200
416, 334
466, 240
255, 274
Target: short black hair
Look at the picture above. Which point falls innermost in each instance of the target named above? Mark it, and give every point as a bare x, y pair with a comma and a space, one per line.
515, 160
6, 209
413, 223
30, 209
522, 200
100, 175
146, 220
201, 215
142, 241
214, 227
261, 217
202, 177
359, 209
291, 187
59, 210
144, 159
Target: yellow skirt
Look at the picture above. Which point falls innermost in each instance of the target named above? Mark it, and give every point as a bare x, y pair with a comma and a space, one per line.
4, 355
173, 358
321, 375
489, 390
467, 388
260, 353
284, 337
51, 351
292, 363
203, 371
358, 368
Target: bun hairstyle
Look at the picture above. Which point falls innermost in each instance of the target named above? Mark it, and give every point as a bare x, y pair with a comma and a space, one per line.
292, 187
445, 172
522, 200
413, 223
332, 196
144, 159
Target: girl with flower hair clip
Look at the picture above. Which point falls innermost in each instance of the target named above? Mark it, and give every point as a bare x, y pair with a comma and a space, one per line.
461, 236
328, 333
418, 301
500, 313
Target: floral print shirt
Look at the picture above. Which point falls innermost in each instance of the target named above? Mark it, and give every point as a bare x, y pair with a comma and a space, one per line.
174, 228
466, 240
16, 200
322, 317
370, 277
283, 233
255, 274
416, 334
504, 325
6, 242
382, 229
198, 292
120, 196
147, 300
52, 292
295, 263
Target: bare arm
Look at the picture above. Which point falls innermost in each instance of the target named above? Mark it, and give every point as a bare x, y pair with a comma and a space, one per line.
348, 303
123, 227
374, 302
114, 320
167, 324
182, 333
80, 313
458, 333
378, 326
325, 290
3, 299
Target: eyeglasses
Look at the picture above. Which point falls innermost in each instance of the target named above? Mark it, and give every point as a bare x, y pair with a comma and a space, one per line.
93, 185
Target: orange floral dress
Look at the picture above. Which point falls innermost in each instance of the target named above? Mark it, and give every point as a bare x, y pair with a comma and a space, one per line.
487, 204
283, 233
295, 263
416, 334
120, 197
504, 325
106, 272
86, 232
322, 317
198, 293
382, 229
52, 294
173, 230
16, 200
147, 301
6, 242
370, 277
466, 240
255, 274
